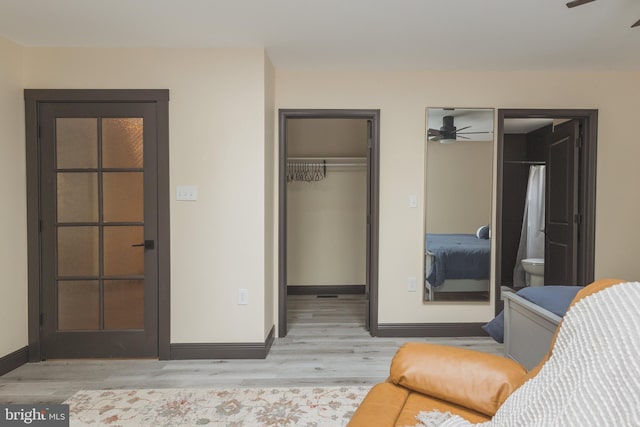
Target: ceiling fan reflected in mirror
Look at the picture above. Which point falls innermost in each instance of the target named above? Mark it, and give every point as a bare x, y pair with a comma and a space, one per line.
448, 133
575, 3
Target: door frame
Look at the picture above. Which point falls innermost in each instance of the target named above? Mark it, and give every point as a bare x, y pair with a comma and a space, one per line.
33, 97
586, 187
373, 187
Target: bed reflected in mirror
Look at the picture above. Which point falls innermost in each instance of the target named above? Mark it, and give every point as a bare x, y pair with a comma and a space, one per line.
457, 244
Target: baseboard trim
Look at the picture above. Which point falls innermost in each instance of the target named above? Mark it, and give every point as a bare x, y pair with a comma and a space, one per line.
223, 350
407, 330
14, 360
326, 290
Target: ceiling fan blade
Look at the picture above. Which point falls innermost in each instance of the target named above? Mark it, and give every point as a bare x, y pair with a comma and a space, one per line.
466, 127
461, 137
575, 3
433, 132
472, 133
637, 24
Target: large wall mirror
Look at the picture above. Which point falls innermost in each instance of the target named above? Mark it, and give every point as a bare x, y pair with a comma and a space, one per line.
457, 248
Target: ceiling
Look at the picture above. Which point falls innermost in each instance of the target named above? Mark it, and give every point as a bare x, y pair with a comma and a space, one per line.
349, 34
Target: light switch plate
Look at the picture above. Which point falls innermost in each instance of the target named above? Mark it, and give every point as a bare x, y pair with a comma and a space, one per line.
413, 201
412, 284
186, 192
243, 296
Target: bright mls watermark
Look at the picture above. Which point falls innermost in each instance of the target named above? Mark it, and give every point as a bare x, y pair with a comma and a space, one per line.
34, 415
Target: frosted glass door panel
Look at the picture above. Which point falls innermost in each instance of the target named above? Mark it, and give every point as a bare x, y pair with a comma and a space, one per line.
122, 143
78, 197
78, 251
123, 196
121, 258
77, 143
124, 304
78, 305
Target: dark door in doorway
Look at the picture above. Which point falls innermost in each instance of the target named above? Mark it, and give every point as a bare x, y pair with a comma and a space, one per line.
561, 205
98, 193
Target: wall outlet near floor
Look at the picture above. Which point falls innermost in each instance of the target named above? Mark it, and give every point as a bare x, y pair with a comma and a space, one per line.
243, 296
412, 284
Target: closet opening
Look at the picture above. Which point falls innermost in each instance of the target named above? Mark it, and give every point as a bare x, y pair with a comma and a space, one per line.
546, 198
328, 217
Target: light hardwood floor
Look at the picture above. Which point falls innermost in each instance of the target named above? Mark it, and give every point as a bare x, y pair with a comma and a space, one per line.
326, 345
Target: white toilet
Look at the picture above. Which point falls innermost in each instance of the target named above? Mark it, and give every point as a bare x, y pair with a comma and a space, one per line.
535, 271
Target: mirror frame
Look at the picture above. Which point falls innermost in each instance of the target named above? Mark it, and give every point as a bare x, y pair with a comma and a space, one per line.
475, 129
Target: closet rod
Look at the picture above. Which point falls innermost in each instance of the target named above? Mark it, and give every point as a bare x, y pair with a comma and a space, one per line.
332, 161
525, 162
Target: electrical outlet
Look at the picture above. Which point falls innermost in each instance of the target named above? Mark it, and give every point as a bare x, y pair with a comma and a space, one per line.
243, 296
412, 284
413, 201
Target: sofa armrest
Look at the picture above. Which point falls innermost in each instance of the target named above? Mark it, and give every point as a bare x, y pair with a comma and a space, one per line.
469, 378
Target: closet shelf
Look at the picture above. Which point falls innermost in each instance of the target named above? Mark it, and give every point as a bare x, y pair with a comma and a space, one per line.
332, 161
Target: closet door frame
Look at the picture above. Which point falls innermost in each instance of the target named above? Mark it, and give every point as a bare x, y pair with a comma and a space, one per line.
373, 186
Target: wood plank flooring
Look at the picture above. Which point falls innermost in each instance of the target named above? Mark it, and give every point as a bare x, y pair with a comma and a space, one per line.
327, 345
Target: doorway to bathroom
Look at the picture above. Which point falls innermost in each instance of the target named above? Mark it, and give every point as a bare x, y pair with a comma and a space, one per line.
545, 204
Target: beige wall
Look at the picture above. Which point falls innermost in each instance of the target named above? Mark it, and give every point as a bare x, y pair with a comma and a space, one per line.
13, 212
459, 181
326, 229
402, 98
327, 137
326, 220
217, 143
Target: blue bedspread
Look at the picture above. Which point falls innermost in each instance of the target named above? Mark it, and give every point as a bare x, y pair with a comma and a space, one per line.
457, 256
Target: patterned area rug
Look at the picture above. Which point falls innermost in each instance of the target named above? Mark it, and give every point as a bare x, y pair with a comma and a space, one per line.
254, 407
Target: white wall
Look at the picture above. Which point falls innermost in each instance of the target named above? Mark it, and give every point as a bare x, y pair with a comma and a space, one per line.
402, 98
217, 142
13, 211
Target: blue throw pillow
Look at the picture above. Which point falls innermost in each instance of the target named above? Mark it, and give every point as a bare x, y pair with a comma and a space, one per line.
556, 299
495, 328
483, 232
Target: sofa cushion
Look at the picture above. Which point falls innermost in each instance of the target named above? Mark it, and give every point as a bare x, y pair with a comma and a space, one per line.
469, 378
417, 402
381, 406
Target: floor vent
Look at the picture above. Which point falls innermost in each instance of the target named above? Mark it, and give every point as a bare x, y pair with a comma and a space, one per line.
326, 296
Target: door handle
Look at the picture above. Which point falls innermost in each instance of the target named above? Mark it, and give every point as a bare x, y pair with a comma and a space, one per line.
148, 244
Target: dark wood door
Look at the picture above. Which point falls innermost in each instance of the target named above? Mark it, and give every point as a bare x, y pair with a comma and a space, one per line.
98, 191
561, 205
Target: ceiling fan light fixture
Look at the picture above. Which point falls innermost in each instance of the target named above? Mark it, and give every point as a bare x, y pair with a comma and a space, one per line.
448, 141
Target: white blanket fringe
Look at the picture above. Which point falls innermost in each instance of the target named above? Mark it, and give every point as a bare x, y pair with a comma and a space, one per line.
592, 378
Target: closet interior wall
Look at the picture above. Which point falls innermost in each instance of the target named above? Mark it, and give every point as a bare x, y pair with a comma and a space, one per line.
326, 219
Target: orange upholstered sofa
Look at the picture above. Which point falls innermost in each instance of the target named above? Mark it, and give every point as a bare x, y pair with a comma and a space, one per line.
425, 377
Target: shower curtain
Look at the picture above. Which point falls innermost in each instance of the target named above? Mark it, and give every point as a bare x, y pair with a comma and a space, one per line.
532, 234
